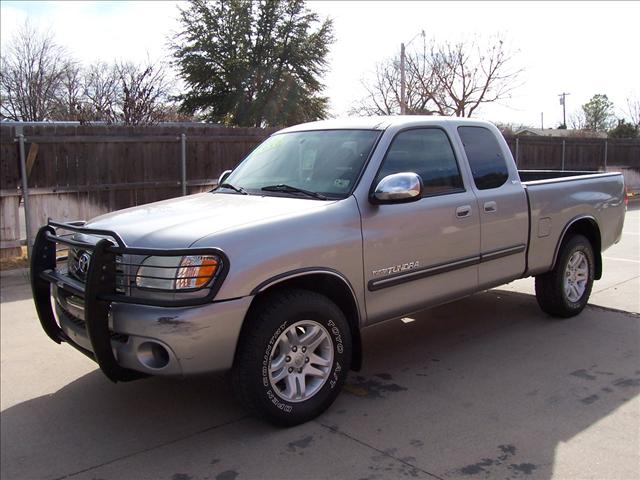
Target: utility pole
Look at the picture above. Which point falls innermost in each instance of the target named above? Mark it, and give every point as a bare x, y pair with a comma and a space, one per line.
403, 79
564, 108
403, 93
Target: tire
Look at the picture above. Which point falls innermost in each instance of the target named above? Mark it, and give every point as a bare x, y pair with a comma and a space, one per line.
566, 298
302, 337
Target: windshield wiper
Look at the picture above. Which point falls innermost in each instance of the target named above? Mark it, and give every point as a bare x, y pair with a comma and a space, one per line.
234, 188
281, 187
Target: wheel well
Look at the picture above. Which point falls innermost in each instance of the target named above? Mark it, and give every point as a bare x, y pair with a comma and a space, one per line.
338, 291
588, 228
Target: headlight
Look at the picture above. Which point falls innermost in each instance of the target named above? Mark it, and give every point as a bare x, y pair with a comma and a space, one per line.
177, 273
196, 271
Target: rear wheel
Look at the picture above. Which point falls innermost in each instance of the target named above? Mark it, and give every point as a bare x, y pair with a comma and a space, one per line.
293, 357
565, 290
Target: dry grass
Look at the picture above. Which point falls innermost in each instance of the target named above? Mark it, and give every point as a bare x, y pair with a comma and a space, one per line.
15, 262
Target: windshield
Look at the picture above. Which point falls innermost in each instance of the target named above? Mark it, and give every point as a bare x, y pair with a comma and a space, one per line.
326, 162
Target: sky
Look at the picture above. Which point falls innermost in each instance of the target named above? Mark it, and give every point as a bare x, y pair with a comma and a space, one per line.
582, 48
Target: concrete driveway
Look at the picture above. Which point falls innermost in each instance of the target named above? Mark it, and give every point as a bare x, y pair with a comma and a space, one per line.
487, 387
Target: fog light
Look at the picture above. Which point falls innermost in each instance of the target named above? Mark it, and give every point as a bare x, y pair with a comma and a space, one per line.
153, 355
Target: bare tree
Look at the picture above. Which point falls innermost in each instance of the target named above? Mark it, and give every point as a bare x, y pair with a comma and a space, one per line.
469, 74
68, 101
383, 91
100, 93
633, 110
31, 75
445, 79
125, 92
39, 81
577, 120
144, 90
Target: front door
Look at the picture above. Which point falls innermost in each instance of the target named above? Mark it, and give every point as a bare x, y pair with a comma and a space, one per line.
425, 252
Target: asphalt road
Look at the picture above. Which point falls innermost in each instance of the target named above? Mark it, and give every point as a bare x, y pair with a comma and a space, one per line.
484, 388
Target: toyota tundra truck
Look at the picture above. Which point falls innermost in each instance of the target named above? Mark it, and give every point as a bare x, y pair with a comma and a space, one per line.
324, 229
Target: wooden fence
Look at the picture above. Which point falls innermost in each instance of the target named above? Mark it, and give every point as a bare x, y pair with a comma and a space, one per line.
78, 172
573, 153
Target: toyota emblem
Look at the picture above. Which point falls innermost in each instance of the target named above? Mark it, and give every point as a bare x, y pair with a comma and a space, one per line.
83, 263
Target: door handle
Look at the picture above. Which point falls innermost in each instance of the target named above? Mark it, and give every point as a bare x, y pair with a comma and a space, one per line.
490, 207
463, 211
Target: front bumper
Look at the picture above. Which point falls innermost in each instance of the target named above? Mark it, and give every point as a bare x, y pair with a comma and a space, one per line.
126, 337
196, 340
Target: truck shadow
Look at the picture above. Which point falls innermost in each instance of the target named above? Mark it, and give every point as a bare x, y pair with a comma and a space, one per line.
487, 387
491, 387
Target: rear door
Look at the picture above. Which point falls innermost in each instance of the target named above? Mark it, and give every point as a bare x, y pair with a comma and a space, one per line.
502, 203
425, 252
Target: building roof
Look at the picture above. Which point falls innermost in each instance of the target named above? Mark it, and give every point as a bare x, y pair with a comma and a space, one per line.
560, 132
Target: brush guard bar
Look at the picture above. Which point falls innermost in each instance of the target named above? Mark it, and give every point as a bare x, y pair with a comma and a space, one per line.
100, 288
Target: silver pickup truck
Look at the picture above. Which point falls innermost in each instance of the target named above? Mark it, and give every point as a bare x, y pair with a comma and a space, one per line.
324, 229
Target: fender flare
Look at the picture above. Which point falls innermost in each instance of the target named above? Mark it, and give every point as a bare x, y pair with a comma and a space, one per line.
561, 239
355, 324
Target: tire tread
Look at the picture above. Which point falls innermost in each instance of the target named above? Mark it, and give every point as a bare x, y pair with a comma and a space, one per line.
549, 286
250, 348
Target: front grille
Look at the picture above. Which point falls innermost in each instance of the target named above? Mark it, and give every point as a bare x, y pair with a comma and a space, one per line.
81, 324
73, 263
122, 274
78, 264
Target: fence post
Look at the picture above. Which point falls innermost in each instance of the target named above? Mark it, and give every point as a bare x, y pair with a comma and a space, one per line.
25, 193
183, 144
563, 145
517, 148
606, 148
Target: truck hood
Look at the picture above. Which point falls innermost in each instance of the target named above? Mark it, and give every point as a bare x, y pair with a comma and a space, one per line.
179, 222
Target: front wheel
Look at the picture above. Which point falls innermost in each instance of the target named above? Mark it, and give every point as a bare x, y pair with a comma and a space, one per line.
565, 290
293, 357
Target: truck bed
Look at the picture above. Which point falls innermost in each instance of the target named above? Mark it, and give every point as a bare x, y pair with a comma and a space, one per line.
557, 198
527, 176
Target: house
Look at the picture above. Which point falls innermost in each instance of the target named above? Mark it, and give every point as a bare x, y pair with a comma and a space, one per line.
559, 132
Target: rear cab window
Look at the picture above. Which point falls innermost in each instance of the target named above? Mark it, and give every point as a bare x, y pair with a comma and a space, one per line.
487, 162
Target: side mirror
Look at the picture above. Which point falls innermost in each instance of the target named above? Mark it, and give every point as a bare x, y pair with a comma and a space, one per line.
400, 187
223, 176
